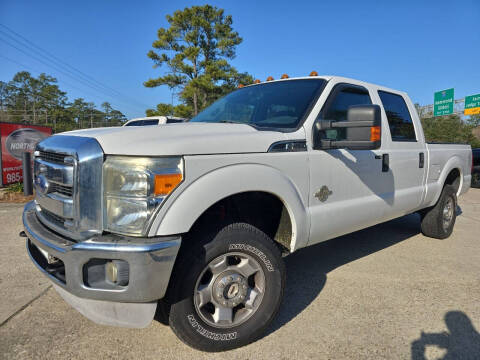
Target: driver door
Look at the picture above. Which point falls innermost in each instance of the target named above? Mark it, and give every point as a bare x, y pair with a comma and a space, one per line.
348, 189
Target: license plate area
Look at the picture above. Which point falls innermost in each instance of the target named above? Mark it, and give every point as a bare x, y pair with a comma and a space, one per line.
51, 260
54, 268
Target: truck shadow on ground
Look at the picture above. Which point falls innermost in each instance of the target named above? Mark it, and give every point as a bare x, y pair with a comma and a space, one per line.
307, 268
461, 341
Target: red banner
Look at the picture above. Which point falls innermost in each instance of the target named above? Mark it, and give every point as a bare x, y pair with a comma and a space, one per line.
16, 139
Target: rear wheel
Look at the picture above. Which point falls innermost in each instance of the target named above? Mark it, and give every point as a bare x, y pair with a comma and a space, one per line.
476, 180
226, 289
438, 221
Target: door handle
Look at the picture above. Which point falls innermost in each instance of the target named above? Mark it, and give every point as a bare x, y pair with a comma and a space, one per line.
385, 161
421, 160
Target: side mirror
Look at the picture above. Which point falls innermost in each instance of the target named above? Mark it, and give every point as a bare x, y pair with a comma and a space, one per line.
363, 129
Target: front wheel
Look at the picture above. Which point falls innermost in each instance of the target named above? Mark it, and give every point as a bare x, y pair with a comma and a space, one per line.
227, 288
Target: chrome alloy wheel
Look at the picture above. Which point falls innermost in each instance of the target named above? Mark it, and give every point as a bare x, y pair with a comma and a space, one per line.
229, 290
448, 210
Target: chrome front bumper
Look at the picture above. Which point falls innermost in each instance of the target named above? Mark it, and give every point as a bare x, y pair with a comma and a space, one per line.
150, 261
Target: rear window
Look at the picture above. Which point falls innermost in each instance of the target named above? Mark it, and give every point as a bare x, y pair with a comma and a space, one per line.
399, 119
143, 123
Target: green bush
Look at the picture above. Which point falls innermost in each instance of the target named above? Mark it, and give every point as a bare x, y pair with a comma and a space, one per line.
15, 188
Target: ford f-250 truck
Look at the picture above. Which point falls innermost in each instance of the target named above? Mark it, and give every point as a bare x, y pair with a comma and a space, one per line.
193, 218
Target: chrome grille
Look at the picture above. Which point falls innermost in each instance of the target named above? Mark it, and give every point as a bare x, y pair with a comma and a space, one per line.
68, 183
62, 189
52, 157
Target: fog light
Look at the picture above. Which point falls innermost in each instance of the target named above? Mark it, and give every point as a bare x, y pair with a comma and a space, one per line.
117, 272
112, 271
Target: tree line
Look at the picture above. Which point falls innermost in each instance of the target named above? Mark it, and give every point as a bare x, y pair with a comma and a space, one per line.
39, 101
450, 128
194, 51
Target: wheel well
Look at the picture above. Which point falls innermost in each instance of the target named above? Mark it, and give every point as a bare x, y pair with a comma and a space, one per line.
260, 209
453, 178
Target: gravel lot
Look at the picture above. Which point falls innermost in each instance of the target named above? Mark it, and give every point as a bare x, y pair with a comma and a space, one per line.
383, 292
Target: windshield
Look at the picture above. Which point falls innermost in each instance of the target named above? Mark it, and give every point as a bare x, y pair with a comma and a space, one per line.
275, 105
142, 123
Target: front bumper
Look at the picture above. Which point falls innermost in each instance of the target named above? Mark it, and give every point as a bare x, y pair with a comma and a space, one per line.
150, 261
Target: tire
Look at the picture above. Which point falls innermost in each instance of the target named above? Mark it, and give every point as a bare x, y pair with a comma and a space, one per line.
438, 221
476, 180
200, 326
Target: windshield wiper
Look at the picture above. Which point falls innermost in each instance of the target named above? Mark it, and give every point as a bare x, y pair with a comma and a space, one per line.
236, 122
230, 122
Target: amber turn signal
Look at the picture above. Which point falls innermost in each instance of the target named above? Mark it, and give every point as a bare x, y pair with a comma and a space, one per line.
375, 133
165, 183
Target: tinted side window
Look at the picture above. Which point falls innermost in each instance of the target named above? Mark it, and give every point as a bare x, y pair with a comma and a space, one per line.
399, 119
143, 123
338, 107
173, 121
135, 123
149, 122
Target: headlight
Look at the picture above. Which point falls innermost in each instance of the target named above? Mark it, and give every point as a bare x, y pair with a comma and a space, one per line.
133, 189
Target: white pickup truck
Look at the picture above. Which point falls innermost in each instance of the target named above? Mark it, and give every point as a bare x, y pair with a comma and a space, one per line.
199, 214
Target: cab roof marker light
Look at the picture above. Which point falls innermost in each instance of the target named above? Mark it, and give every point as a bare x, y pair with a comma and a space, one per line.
284, 76
313, 73
270, 78
257, 81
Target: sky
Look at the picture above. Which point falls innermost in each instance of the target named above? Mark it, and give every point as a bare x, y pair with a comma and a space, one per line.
415, 46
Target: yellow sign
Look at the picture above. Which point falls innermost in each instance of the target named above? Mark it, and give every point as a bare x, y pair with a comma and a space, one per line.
472, 105
472, 111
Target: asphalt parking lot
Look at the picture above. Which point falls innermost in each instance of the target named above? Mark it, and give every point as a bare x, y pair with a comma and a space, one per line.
383, 292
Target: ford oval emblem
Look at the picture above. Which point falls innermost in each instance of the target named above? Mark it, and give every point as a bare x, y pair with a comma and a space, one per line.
42, 184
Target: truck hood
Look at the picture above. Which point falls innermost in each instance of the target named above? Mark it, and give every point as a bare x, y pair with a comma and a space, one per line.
181, 139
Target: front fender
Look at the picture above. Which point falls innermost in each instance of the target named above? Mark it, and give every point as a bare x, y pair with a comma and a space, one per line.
230, 180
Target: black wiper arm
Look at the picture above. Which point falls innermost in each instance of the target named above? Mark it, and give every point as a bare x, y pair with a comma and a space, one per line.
236, 122
230, 122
